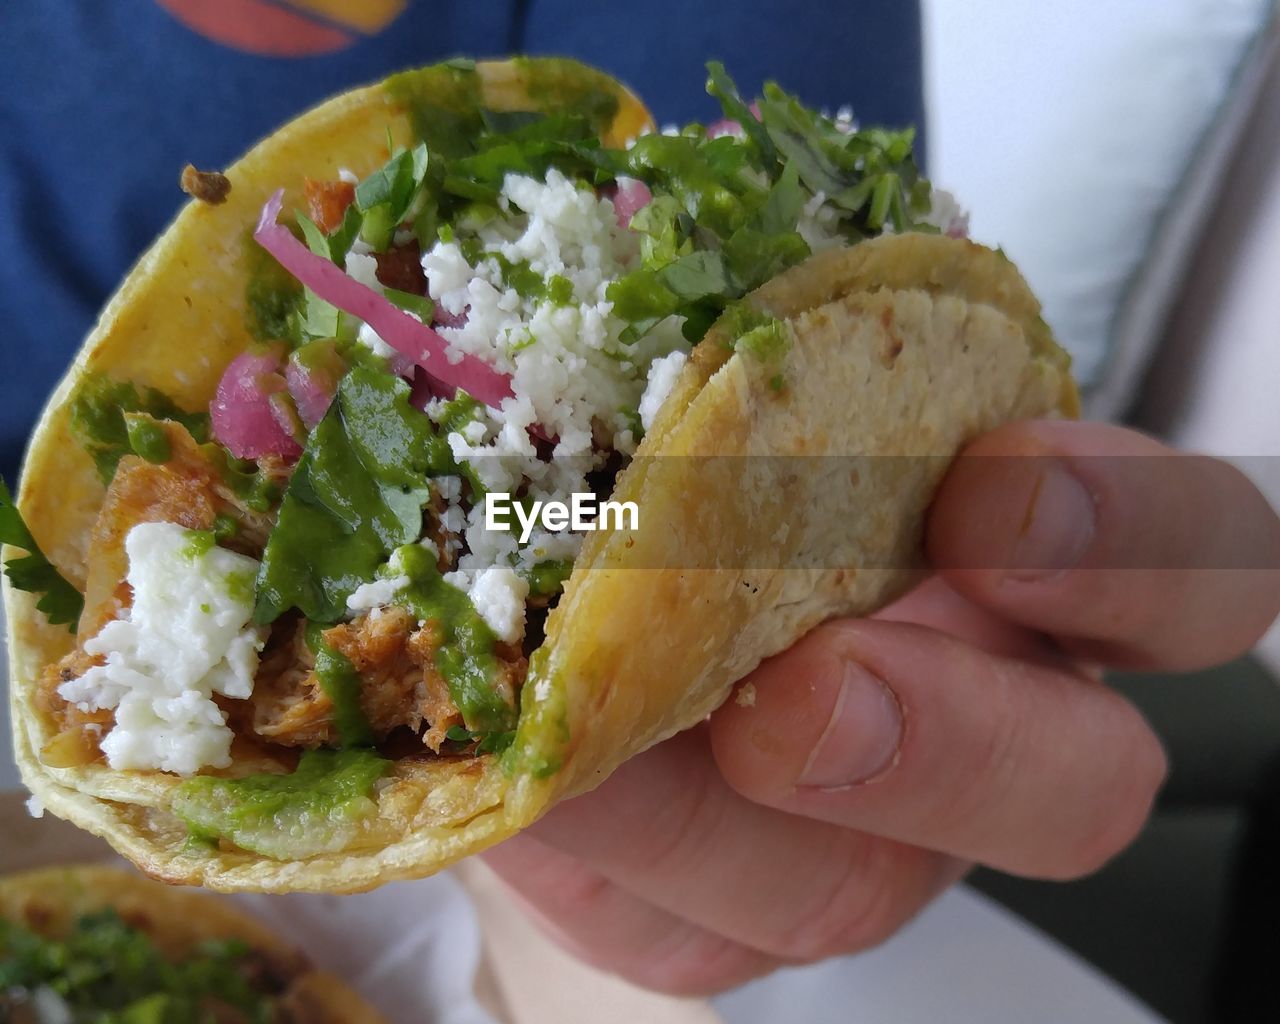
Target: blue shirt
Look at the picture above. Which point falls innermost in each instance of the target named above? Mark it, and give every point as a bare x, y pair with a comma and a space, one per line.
103, 103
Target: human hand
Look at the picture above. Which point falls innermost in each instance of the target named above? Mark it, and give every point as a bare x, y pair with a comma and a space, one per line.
967, 723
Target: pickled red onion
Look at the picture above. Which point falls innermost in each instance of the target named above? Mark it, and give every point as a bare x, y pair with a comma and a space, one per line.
629, 198
725, 126
408, 336
241, 412
311, 394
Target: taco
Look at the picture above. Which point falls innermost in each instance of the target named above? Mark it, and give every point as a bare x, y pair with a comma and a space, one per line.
308, 656
102, 945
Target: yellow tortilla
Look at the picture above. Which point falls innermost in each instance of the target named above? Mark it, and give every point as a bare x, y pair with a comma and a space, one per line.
48, 901
904, 348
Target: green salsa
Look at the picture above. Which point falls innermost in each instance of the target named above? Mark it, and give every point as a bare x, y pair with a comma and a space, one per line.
200, 544
100, 421
105, 971
257, 489
275, 301
547, 578
341, 682
466, 657
317, 808
147, 438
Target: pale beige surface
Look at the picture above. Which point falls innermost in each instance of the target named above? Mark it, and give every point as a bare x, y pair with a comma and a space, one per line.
527, 979
908, 345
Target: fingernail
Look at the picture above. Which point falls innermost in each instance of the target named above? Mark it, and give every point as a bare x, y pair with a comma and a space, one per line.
862, 736
1057, 526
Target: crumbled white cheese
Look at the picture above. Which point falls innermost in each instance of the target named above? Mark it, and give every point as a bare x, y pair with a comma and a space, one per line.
498, 595
348, 175
376, 594
372, 340
35, 807
186, 636
947, 215
571, 374
818, 224
450, 487
662, 378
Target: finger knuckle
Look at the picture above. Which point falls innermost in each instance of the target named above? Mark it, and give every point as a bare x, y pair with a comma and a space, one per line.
582, 895
1120, 819
983, 770
855, 912
689, 838
696, 963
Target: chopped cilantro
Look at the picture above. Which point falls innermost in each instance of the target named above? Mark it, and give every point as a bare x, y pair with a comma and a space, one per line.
387, 196
110, 972
726, 212
419, 305
560, 290
61, 603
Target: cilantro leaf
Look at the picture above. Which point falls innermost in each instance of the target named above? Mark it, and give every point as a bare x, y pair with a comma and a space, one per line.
356, 495
721, 86
781, 211
61, 603
319, 318
385, 198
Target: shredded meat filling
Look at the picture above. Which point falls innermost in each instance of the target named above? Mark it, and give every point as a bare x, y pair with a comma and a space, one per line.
400, 267
400, 686
327, 202
184, 490
400, 689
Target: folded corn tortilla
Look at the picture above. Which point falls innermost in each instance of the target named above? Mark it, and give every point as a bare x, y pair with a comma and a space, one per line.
905, 347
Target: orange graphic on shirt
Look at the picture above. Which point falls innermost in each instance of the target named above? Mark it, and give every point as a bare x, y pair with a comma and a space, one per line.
285, 28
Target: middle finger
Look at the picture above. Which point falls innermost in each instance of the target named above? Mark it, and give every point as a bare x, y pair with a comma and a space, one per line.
667, 828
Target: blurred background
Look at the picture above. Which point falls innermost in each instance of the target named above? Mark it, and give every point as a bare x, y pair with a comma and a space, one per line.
1125, 153
1127, 156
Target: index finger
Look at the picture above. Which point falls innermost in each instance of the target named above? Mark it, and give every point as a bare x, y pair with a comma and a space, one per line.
1131, 553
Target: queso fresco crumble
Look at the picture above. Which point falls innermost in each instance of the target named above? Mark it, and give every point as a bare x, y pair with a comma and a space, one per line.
456, 356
